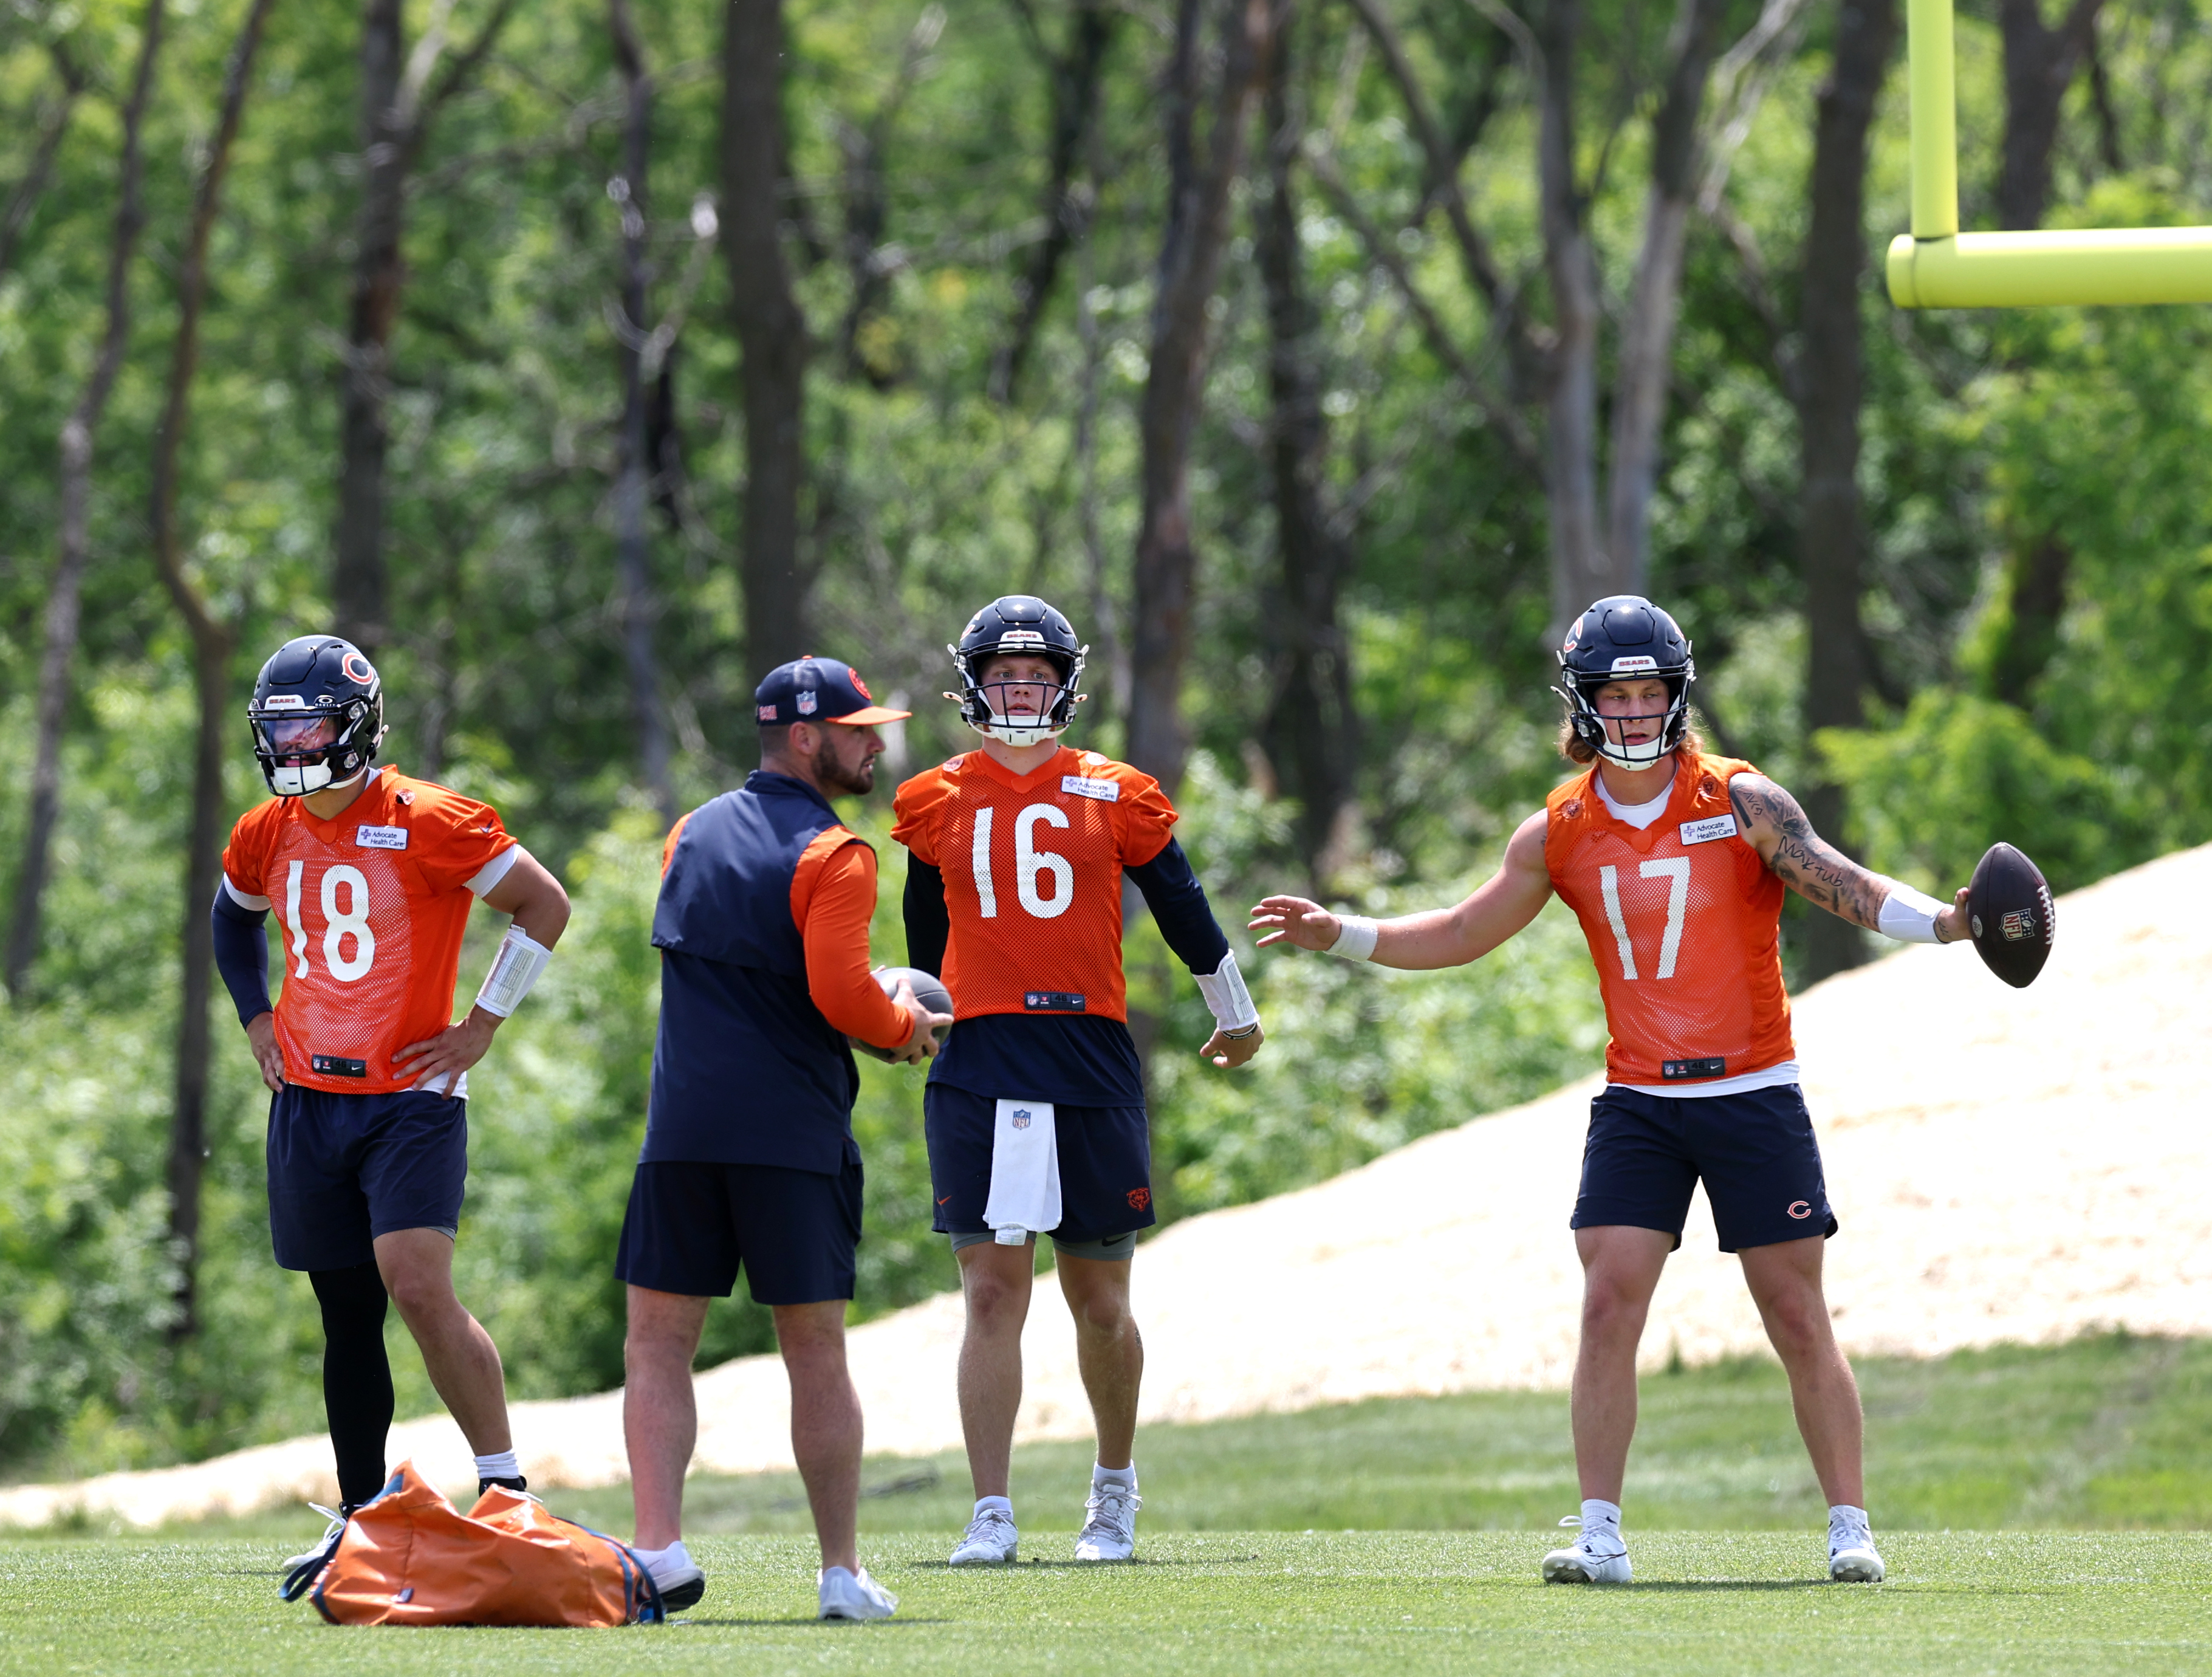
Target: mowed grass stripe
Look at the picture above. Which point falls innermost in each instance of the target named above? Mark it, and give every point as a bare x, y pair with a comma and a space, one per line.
2106, 1432
1201, 1602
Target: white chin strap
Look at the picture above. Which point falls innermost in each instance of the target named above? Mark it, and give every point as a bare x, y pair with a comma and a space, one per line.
314, 777
1017, 733
1643, 756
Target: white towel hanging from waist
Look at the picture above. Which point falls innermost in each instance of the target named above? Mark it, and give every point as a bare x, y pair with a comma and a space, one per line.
1024, 1172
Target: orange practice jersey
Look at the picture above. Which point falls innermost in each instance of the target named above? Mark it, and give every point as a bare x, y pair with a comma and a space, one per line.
1684, 922
1032, 870
370, 911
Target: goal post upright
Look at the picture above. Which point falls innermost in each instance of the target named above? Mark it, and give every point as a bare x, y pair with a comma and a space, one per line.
1937, 266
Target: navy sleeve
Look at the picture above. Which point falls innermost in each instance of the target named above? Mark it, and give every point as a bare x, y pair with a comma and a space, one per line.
241, 953
1179, 908
928, 922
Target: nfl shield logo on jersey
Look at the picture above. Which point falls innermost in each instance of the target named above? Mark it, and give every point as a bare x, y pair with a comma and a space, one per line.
1021, 1120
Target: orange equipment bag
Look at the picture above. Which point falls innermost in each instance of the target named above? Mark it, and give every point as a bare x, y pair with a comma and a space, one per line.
409, 1556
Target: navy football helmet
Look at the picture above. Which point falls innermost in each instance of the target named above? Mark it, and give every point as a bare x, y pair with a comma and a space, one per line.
1625, 637
317, 715
1017, 624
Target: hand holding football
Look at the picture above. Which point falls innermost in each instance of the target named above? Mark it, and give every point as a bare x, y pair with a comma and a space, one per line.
2009, 913
928, 989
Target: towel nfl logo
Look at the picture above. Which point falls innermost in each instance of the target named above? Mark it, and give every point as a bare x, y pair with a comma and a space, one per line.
1021, 1119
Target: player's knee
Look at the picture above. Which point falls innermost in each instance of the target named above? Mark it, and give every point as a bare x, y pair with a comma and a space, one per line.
1105, 1315
1610, 1308
1797, 1324
420, 1292
994, 1301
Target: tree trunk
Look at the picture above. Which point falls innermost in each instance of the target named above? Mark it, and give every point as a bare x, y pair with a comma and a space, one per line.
2039, 65
1310, 727
65, 604
1174, 387
771, 332
635, 472
1581, 570
396, 113
214, 641
1647, 338
360, 588
52, 126
1830, 537
1077, 76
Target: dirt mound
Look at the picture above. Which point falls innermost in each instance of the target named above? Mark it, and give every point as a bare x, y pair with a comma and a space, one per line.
2005, 1165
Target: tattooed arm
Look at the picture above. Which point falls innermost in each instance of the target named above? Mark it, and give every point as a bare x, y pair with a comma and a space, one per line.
1774, 825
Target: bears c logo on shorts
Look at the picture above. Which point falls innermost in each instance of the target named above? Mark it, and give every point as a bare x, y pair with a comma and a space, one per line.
1800, 1209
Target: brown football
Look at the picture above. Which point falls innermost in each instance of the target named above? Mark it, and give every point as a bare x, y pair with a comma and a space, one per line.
2009, 906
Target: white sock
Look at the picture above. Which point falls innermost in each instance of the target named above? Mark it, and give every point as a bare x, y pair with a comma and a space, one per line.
674, 1555
1854, 1518
1001, 1504
1599, 1514
829, 1572
502, 1466
1115, 1475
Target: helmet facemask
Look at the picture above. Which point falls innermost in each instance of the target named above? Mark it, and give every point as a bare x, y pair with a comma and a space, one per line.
1589, 724
294, 768
984, 708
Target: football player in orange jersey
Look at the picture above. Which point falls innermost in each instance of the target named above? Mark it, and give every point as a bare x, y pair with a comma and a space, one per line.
1676, 863
1035, 1111
372, 875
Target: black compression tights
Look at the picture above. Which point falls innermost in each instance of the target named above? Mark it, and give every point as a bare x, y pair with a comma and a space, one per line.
356, 1375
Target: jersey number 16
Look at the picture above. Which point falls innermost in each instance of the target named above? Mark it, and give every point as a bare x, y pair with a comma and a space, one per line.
1032, 866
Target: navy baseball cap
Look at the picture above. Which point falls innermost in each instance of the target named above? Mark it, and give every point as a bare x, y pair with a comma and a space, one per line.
818, 690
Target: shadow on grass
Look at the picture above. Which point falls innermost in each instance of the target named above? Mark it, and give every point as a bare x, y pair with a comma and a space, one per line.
681, 1620
1074, 1566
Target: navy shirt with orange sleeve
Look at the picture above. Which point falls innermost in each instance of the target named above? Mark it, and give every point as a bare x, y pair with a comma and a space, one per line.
762, 927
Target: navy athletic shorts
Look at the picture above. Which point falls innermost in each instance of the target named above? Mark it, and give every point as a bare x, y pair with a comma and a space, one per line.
344, 1169
1754, 1152
1105, 1165
691, 1225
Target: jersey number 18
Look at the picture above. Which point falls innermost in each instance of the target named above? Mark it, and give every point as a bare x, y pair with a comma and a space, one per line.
351, 922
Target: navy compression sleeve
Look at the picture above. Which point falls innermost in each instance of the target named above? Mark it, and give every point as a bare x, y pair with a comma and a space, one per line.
1179, 906
928, 922
241, 953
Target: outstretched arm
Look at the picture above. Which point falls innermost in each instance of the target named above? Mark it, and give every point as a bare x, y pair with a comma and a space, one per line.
1774, 824
1501, 906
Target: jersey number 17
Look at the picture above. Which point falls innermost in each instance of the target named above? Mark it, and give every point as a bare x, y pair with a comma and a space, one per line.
1675, 870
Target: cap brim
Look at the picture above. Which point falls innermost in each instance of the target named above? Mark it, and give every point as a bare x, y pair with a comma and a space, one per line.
869, 717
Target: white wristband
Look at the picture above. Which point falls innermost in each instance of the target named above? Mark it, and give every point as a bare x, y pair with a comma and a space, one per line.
1225, 993
1909, 916
1356, 941
513, 970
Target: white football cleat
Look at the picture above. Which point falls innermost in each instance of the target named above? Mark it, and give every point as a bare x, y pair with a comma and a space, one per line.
681, 1581
1109, 1522
1597, 1557
989, 1541
1852, 1557
853, 1596
330, 1534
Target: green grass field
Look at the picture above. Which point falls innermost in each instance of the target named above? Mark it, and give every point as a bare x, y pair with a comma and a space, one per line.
1353, 1539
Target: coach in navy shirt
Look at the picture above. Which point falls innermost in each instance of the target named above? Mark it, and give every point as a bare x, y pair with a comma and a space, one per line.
748, 1158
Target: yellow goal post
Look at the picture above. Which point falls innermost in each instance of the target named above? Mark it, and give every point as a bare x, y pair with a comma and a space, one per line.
1937, 266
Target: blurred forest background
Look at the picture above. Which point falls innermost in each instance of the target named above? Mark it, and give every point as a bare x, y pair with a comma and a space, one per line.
583, 358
